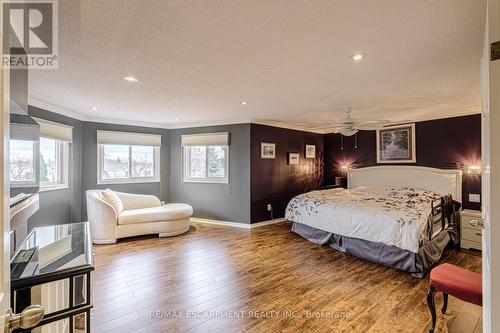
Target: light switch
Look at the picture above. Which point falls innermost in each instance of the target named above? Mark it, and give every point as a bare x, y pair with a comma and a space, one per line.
474, 198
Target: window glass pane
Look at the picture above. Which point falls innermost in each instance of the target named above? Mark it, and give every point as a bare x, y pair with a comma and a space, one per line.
49, 165
142, 161
216, 161
22, 168
116, 162
197, 161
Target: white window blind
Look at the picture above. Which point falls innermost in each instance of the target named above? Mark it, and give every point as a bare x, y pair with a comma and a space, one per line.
56, 131
205, 139
24, 132
128, 138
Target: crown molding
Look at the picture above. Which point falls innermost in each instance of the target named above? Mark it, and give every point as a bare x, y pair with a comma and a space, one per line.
420, 119
78, 116
286, 126
415, 120
55, 108
318, 130
75, 115
210, 123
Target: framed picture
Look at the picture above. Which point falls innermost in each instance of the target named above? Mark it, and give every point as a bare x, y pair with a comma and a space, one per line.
396, 144
310, 151
293, 158
267, 150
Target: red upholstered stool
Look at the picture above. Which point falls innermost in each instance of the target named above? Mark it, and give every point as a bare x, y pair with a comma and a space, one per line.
455, 281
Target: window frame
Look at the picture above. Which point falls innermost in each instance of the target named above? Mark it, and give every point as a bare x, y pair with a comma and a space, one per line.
130, 179
36, 162
62, 158
186, 160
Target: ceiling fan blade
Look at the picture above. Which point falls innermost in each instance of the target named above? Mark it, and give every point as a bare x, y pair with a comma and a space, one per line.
365, 127
396, 123
373, 122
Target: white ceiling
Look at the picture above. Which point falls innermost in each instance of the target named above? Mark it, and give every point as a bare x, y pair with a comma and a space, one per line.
196, 60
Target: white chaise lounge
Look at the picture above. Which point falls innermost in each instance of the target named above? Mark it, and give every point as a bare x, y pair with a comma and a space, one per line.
114, 215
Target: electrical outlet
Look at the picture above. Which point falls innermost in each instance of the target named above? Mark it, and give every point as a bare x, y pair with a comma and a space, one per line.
474, 197
269, 207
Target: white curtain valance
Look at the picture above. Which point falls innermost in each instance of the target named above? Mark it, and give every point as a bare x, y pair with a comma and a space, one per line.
56, 131
128, 138
206, 139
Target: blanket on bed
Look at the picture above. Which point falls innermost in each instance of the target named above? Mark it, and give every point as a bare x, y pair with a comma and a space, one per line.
393, 216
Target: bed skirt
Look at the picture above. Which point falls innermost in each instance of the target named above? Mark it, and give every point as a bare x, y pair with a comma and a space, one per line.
390, 256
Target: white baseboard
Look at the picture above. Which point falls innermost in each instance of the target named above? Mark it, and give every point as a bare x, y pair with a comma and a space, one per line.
268, 222
236, 224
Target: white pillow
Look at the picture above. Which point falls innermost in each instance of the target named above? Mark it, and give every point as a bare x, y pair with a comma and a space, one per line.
113, 200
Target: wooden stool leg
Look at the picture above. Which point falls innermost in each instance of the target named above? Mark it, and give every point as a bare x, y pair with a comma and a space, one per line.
445, 303
432, 307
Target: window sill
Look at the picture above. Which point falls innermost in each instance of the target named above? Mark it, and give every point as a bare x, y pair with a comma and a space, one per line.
127, 181
225, 182
53, 188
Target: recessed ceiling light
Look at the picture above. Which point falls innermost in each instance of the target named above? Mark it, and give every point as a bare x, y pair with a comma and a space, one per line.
244, 102
93, 108
176, 119
358, 56
131, 79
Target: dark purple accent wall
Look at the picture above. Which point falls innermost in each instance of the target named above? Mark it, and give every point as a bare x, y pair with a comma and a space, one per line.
275, 182
448, 143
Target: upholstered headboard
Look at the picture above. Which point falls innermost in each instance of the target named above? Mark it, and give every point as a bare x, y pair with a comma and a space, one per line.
432, 179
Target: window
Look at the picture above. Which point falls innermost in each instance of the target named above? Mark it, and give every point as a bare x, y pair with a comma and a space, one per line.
54, 157
128, 164
125, 157
207, 164
206, 158
22, 162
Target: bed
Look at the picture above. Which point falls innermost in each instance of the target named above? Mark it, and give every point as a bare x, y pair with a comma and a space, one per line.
401, 217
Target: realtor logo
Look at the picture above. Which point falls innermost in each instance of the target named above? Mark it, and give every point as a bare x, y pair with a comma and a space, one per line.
30, 34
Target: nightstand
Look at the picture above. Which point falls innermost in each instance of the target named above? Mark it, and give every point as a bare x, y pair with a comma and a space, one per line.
471, 230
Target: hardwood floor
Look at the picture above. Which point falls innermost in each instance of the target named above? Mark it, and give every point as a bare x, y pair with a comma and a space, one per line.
220, 279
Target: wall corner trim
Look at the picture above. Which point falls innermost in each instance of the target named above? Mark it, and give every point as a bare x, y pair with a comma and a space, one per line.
236, 224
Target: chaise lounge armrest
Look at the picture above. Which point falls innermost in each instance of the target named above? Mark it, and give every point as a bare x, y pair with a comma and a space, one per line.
138, 201
102, 217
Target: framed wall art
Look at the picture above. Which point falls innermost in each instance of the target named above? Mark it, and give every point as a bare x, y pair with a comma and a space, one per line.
396, 144
267, 150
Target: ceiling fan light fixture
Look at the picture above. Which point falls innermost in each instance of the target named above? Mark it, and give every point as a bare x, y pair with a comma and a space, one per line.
348, 132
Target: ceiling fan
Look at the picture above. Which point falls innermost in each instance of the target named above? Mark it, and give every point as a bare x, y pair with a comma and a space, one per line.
350, 126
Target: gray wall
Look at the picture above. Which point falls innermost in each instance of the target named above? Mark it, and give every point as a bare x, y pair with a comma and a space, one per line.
64, 205
226, 202
89, 154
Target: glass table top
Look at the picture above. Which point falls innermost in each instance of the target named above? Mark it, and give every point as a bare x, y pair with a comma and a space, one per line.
53, 249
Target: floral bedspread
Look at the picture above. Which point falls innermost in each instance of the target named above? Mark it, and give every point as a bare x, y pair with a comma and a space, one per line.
393, 216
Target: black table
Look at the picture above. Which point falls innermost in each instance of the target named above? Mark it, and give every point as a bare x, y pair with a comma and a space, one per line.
52, 268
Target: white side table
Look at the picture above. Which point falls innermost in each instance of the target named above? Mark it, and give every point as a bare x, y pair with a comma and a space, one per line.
471, 231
